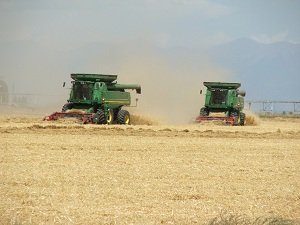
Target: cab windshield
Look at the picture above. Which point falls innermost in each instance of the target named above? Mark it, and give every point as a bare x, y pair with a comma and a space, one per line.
82, 90
218, 96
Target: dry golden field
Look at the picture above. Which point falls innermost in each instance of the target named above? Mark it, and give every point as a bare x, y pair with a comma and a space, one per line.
67, 173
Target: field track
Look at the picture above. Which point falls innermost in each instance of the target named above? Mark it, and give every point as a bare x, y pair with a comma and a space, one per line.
66, 173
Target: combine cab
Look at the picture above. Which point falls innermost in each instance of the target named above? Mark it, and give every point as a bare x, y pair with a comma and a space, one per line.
97, 98
223, 98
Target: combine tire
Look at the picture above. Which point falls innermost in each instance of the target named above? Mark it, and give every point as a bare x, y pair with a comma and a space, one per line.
99, 117
66, 107
123, 117
242, 119
234, 114
110, 116
204, 112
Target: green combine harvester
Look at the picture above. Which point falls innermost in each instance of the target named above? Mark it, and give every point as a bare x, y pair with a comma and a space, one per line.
223, 98
98, 99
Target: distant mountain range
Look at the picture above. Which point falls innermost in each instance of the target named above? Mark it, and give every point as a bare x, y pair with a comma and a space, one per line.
267, 71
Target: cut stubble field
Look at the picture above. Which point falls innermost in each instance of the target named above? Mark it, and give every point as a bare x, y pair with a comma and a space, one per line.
67, 173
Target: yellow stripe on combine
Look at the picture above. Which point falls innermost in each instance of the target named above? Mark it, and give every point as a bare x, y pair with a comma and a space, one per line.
115, 101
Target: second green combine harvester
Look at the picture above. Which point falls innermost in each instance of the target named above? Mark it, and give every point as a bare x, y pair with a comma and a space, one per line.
97, 98
223, 98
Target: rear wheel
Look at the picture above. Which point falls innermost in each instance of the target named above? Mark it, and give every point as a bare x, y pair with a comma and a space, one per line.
99, 117
123, 117
242, 119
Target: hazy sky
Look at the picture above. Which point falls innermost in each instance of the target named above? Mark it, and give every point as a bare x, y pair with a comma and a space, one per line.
43, 41
188, 23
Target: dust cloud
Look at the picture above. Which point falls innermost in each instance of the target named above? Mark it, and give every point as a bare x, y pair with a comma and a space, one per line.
252, 119
171, 78
170, 88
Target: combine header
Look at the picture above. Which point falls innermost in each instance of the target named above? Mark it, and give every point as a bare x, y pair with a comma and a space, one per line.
223, 98
98, 99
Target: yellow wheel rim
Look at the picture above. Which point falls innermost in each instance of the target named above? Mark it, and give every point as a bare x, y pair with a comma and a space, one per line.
127, 119
110, 117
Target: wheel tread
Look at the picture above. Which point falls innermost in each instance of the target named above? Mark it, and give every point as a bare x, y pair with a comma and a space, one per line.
122, 115
99, 117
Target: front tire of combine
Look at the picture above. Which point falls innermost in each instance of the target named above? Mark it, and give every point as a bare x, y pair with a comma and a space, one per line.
66, 107
123, 117
99, 117
242, 119
110, 116
204, 112
235, 115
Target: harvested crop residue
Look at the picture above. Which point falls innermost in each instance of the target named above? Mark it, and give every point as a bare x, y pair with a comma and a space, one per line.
64, 172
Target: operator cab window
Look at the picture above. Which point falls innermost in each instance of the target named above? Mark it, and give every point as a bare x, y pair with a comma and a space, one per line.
82, 91
218, 96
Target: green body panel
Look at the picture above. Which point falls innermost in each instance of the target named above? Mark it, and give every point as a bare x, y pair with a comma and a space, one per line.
115, 99
116, 87
91, 92
223, 97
